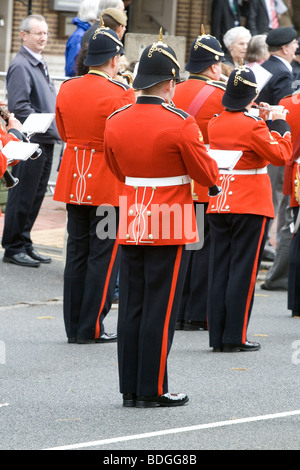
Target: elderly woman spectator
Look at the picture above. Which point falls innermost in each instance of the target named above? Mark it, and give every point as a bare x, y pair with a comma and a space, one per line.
236, 41
257, 50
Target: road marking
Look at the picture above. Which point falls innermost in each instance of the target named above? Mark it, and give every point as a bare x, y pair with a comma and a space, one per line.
3, 404
165, 432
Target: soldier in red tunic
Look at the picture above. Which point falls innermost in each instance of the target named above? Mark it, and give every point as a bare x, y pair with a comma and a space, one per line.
292, 189
85, 182
201, 96
3, 164
12, 131
239, 216
154, 148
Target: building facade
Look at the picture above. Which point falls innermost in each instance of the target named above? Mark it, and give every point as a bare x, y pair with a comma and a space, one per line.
177, 18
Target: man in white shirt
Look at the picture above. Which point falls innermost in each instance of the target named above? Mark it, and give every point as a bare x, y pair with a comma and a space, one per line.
282, 44
29, 90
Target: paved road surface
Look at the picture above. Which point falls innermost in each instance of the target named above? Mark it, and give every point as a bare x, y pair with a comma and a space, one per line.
59, 395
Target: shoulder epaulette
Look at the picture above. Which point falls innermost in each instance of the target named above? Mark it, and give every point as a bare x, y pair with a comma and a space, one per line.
68, 79
217, 84
119, 110
177, 111
256, 118
116, 82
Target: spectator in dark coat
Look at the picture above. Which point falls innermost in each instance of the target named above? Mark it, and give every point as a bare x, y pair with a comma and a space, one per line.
225, 14
29, 90
260, 17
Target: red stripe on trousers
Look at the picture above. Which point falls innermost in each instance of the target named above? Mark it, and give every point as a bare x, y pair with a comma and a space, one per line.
253, 281
164, 348
108, 275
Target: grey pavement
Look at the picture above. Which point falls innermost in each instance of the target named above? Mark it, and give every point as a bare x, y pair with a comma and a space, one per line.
55, 395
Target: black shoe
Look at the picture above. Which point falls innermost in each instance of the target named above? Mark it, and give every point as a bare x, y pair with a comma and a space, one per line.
179, 325
105, 338
36, 256
264, 286
72, 340
129, 400
268, 256
168, 399
295, 313
218, 349
247, 346
21, 259
195, 326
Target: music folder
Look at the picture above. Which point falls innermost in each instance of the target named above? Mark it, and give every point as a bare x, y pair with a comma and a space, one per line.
37, 123
261, 74
19, 150
226, 159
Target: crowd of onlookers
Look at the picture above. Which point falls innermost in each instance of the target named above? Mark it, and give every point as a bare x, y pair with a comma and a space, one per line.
242, 26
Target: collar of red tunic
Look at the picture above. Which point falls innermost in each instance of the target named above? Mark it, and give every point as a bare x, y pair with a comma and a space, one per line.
150, 99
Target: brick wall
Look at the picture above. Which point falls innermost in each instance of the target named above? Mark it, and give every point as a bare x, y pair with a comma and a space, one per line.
55, 46
191, 14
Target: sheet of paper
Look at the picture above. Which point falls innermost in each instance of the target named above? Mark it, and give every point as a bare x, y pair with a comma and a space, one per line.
19, 150
261, 74
226, 159
37, 123
280, 7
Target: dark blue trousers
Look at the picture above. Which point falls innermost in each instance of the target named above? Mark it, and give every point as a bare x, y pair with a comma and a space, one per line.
194, 298
91, 271
237, 243
294, 269
151, 284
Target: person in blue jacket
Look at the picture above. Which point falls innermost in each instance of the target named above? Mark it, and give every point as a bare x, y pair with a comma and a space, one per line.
86, 17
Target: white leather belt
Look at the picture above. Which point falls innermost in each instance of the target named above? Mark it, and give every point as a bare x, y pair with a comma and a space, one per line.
157, 182
255, 171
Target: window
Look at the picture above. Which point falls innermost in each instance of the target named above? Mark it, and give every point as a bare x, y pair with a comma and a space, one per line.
64, 5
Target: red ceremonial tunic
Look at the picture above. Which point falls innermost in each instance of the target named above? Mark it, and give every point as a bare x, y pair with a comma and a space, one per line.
292, 178
83, 105
202, 98
247, 193
5, 137
169, 145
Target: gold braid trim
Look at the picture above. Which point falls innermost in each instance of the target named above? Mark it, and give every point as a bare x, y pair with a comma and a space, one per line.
154, 48
105, 33
204, 46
